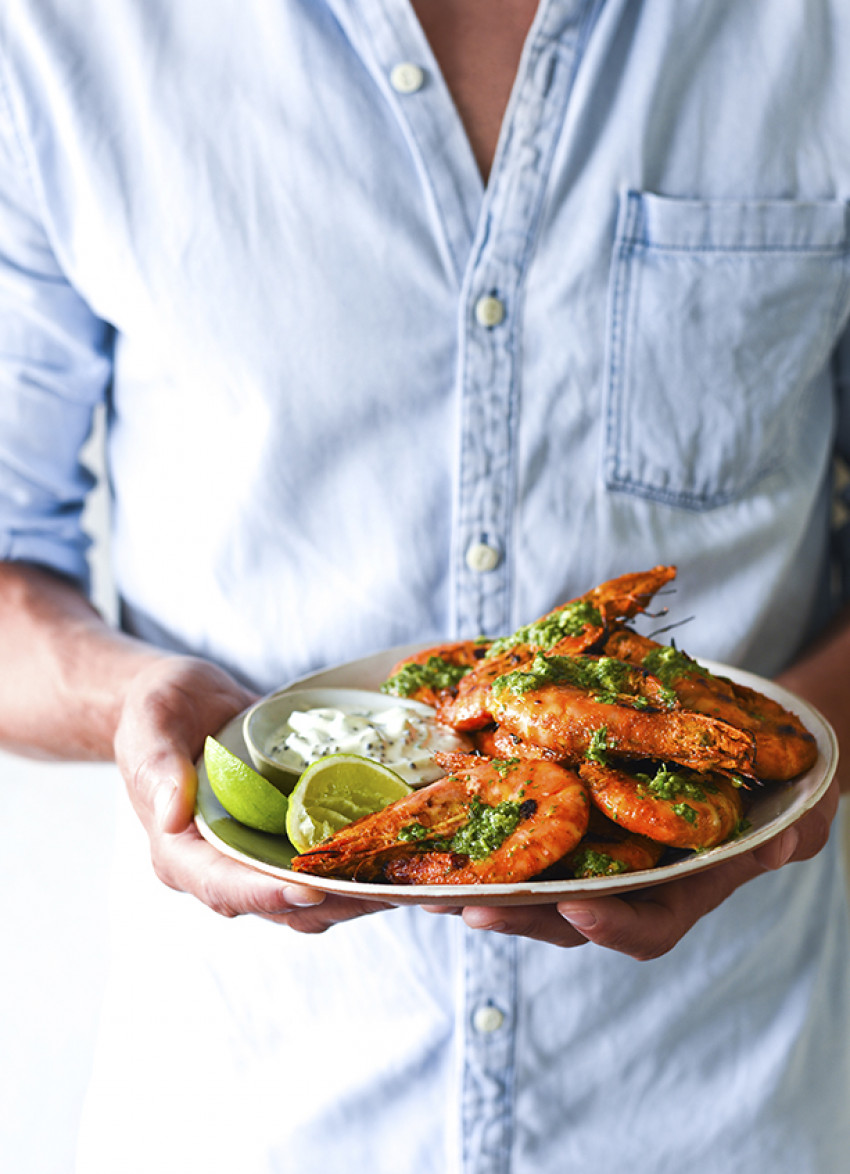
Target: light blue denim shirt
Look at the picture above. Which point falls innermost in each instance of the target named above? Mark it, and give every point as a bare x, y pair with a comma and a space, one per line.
356, 398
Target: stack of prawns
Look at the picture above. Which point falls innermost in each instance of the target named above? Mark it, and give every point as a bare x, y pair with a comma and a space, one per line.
593, 751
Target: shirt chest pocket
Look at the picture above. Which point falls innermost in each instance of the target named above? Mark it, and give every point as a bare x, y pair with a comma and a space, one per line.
723, 316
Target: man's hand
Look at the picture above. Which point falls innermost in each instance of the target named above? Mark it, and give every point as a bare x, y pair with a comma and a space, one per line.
649, 922
170, 706
74, 688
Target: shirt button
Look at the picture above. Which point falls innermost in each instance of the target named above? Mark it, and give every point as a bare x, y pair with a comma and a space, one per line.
487, 1018
481, 557
489, 311
407, 78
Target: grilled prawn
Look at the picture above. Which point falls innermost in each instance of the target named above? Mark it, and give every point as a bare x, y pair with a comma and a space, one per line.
487, 821
433, 675
574, 627
783, 747
607, 849
566, 708
680, 808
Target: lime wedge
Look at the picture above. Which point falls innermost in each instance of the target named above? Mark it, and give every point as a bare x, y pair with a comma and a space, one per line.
336, 790
242, 792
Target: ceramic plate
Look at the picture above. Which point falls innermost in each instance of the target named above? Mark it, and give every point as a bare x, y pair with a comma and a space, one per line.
775, 808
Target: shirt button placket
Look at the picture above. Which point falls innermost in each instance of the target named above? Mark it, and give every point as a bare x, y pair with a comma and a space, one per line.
488, 1034
486, 482
491, 334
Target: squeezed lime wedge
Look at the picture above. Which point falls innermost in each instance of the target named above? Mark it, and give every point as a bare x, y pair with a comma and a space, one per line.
335, 791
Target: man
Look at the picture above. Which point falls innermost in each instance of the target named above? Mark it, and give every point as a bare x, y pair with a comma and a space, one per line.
413, 321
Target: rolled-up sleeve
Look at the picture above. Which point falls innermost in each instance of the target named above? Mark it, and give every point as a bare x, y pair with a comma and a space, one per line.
55, 365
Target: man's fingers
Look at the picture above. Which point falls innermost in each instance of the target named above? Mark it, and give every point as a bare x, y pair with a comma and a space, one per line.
186, 862
806, 837
163, 789
649, 922
778, 851
644, 924
173, 703
540, 922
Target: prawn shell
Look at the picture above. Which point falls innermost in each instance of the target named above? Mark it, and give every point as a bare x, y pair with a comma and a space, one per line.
620, 598
632, 853
564, 721
623, 798
783, 747
459, 654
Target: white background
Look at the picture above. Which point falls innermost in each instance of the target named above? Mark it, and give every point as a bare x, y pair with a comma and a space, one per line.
56, 840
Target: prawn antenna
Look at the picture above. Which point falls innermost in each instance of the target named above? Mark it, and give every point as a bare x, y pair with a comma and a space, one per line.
669, 627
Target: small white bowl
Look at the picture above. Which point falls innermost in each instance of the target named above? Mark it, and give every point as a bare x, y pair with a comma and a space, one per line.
264, 727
